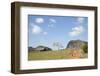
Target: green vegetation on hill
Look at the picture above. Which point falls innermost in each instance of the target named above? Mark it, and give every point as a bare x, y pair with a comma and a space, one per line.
85, 48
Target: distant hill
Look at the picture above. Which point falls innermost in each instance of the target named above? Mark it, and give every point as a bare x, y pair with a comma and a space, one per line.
39, 48
72, 45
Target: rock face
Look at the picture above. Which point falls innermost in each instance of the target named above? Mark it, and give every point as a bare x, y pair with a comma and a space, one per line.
76, 44
40, 48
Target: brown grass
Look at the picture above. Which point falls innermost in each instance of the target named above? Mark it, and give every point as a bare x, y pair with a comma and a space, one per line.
61, 54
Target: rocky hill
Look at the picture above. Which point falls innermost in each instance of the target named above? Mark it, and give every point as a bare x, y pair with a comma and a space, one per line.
78, 44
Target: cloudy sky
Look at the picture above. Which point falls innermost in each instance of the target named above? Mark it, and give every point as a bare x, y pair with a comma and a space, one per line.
46, 30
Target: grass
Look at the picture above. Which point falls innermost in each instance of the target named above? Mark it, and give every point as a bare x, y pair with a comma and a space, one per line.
51, 55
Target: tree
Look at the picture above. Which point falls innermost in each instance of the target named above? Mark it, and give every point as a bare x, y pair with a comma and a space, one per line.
57, 45
85, 48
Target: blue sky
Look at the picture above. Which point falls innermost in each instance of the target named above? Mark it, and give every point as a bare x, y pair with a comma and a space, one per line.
46, 30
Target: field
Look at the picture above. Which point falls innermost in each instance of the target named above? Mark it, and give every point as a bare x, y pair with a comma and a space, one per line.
61, 54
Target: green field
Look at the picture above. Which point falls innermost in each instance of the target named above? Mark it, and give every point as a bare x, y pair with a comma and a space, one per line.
61, 54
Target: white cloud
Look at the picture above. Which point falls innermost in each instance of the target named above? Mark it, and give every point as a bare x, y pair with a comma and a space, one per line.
32, 24
36, 29
51, 25
76, 31
45, 33
52, 20
80, 20
39, 20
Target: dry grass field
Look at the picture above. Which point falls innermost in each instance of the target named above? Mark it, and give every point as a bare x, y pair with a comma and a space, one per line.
61, 54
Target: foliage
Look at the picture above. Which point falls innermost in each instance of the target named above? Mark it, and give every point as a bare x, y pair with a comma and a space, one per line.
57, 45
85, 48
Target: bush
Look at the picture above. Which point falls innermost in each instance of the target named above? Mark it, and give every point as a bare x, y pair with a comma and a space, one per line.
85, 48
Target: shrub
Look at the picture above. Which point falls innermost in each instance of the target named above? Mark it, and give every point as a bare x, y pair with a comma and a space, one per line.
85, 48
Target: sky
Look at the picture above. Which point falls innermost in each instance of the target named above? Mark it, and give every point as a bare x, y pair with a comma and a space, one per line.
47, 30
